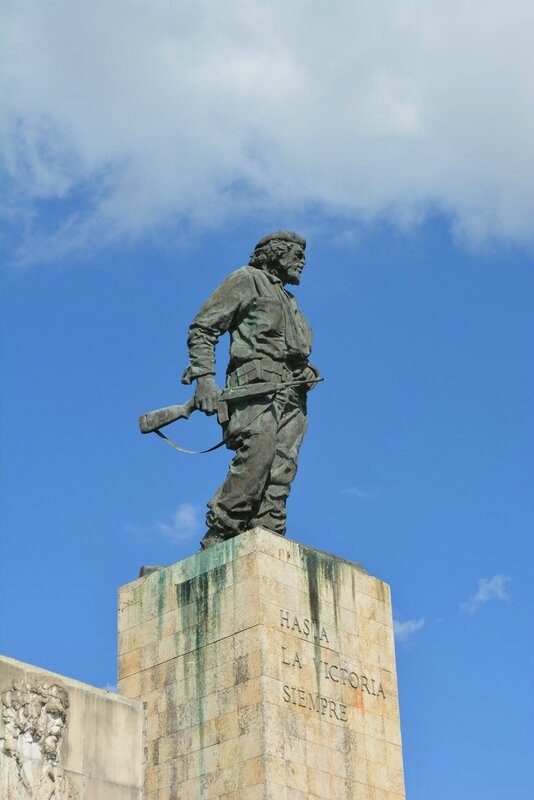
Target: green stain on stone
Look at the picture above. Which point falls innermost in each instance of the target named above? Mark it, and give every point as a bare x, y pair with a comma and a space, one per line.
313, 584
320, 570
161, 601
381, 591
198, 600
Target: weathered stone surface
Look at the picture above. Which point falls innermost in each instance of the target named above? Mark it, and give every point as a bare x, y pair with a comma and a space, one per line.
64, 740
268, 671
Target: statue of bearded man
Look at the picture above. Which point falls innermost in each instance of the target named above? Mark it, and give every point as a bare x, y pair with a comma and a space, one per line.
270, 341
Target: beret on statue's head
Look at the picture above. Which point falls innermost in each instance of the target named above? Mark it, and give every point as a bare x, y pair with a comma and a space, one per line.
281, 236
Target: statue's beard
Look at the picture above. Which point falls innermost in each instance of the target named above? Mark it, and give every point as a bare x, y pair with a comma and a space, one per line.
289, 274
293, 278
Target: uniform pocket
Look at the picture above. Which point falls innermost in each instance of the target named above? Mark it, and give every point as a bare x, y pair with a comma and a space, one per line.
267, 315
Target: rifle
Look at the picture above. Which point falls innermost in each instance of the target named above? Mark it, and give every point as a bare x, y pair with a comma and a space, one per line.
154, 420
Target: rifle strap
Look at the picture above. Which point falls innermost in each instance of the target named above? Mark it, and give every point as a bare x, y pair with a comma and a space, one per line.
224, 440
183, 449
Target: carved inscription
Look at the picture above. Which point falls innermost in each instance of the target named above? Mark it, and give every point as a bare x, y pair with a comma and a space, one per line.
306, 627
339, 673
344, 675
315, 702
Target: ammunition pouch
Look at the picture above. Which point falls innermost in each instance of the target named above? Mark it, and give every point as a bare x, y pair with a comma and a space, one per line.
258, 370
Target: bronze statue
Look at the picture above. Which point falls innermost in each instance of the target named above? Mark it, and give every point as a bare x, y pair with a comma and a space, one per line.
262, 410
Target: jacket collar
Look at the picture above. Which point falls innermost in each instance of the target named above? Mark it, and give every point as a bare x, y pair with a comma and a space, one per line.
273, 278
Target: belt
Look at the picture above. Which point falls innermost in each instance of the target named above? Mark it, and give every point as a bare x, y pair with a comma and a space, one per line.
257, 370
264, 369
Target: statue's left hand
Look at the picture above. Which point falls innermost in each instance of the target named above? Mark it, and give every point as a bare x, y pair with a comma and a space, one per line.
207, 394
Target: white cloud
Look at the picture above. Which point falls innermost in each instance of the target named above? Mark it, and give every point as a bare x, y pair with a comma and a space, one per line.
133, 115
405, 631
488, 589
355, 491
184, 524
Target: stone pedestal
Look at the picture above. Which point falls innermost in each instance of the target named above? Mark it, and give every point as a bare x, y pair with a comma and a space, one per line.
268, 671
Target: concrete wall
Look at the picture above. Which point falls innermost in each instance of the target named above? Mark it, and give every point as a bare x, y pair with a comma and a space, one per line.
65, 740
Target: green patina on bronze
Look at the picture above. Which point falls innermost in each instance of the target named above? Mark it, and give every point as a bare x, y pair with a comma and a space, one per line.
263, 407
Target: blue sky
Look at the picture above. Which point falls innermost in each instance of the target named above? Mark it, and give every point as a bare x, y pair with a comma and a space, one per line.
128, 206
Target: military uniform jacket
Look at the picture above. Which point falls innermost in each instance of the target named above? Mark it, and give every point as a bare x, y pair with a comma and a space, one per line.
263, 321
